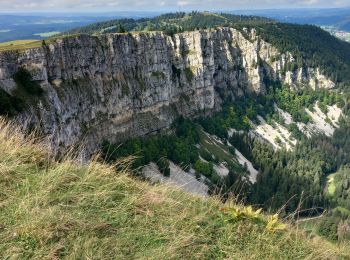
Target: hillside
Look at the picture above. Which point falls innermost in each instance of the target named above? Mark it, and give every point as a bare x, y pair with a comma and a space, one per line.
331, 17
62, 209
170, 23
217, 111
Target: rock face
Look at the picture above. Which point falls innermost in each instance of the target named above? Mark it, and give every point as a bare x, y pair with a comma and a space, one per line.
117, 86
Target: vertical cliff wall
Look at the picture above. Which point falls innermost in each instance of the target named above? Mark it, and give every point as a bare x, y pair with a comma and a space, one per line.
120, 85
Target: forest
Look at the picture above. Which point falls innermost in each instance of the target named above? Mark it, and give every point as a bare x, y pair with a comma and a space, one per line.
289, 181
299, 179
240, 113
180, 147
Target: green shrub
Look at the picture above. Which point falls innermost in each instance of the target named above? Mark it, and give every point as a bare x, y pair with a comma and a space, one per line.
204, 168
125, 90
176, 71
158, 74
179, 148
189, 74
296, 133
25, 82
163, 165
323, 107
10, 105
328, 228
278, 140
205, 155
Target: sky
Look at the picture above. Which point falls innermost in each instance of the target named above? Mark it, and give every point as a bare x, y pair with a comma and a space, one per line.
161, 5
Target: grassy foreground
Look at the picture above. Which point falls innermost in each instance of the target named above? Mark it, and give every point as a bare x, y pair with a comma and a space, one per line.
54, 210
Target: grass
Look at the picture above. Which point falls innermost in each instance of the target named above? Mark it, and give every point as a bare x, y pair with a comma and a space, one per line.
20, 45
343, 210
66, 210
331, 185
216, 148
348, 37
310, 225
189, 74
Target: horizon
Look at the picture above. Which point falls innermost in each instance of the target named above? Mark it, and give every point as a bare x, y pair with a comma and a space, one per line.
85, 12
108, 6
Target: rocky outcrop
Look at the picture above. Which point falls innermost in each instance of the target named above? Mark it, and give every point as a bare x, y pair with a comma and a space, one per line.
120, 85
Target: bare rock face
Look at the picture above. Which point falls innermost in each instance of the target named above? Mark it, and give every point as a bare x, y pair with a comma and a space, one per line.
118, 86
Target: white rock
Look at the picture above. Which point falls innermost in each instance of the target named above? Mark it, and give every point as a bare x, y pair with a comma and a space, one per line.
178, 178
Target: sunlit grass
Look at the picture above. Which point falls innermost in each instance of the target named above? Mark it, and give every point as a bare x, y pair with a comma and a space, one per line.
217, 149
64, 209
20, 45
331, 184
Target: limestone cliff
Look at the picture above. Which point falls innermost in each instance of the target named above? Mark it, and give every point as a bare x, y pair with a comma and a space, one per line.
120, 85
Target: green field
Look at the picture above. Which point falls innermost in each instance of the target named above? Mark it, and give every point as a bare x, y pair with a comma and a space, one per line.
217, 149
343, 210
47, 34
331, 184
20, 45
348, 38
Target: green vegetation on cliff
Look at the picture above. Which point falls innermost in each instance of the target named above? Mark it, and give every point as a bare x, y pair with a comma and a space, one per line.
26, 91
312, 47
180, 147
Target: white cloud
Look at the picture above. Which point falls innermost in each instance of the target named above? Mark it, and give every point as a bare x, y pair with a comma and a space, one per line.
183, 3
151, 5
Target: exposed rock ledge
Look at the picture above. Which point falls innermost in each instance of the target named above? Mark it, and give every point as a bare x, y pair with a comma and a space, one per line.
121, 85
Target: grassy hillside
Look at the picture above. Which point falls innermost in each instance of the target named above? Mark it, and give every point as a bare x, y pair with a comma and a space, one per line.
54, 210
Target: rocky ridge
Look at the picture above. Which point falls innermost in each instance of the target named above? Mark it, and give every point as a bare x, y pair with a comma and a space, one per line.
116, 86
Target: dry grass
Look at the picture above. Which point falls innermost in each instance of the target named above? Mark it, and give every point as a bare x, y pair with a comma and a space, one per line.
20, 45
54, 210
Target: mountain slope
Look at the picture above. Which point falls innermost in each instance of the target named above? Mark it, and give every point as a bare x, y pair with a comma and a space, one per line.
125, 92
53, 209
334, 17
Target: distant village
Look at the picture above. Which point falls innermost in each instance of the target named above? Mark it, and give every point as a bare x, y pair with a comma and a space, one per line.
343, 35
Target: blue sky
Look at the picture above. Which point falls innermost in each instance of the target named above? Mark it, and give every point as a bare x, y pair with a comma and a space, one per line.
162, 5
